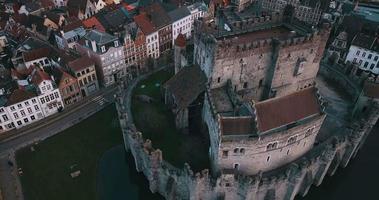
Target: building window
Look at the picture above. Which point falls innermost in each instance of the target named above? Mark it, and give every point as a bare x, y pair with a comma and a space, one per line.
12, 108
32, 117
363, 54
245, 85
34, 101
26, 120
365, 65
5, 117
26, 103
42, 100
358, 52
15, 115
22, 113
242, 151
268, 158
375, 58
372, 66
235, 150
218, 79
369, 56
261, 83
355, 60
36, 107
115, 43
19, 105
19, 123
103, 49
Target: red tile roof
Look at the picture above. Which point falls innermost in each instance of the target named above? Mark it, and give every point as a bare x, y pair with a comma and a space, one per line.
36, 54
285, 110
19, 95
80, 63
93, 22
39, 76
180, 40
144, 23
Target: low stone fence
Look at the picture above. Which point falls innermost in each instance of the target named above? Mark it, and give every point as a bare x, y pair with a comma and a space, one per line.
281, 184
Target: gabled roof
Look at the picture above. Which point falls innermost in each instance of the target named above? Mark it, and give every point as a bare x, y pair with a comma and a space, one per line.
157, 15
36, 54
92, 22
179, 13
38, 76
277, 112
81, 63
180, 40
19, 95
100, 37
364, 41
186, 85
144, 24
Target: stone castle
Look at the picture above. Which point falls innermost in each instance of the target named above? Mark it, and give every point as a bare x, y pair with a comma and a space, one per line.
270, 134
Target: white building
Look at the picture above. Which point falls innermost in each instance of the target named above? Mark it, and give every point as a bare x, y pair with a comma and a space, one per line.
181, 20
60, 3
152, 45
364, 51
6, 123
197, 10
49, 96
23, 108
69, 38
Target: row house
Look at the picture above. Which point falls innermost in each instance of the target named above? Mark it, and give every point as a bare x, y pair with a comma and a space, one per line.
49, 95
135, 48
68, 86
181, 22
161, 22
85, 73
108, 54
143, 21
197, 10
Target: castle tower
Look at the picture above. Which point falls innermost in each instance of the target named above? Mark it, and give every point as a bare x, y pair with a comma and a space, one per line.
179, 49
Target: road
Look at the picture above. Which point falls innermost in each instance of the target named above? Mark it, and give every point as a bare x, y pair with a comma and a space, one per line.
10, 186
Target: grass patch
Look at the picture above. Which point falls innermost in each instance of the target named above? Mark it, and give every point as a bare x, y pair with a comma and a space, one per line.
157, 123
47, 169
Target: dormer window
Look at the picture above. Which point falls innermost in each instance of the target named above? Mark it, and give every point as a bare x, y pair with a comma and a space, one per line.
103, 49
115, 43
87, 43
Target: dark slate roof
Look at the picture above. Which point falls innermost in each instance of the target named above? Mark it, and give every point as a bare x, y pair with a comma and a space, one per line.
158, 15
237, 126
179, 13
364, 41
19, 95
371, 90
112, 20
186, 85
100, 37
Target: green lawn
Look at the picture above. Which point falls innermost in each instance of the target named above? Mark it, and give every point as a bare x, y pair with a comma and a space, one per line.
47, 169
157, 123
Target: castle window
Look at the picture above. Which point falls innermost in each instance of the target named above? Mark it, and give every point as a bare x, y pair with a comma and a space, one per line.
288, 151
311, 50
236, 150
236, 166
218, 79
292, 139
245, 85
242, 151
289, 55
260, 83
272, 146
268, 158
225, 153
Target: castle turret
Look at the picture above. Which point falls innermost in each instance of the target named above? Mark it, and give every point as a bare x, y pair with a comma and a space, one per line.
179, 49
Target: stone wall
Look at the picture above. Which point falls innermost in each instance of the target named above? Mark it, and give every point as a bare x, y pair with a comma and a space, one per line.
280, 184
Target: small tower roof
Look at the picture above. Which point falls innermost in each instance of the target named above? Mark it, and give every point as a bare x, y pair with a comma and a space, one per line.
180, 40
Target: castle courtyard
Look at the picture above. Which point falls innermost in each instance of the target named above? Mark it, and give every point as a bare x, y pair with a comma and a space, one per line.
156, 122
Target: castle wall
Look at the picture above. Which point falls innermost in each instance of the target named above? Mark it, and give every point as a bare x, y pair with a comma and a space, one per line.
254, 154
281, 184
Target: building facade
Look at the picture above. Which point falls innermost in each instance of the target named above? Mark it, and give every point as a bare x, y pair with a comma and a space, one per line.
108, 53
85, 73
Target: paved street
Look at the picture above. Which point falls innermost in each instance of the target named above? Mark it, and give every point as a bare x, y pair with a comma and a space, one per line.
9, 182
